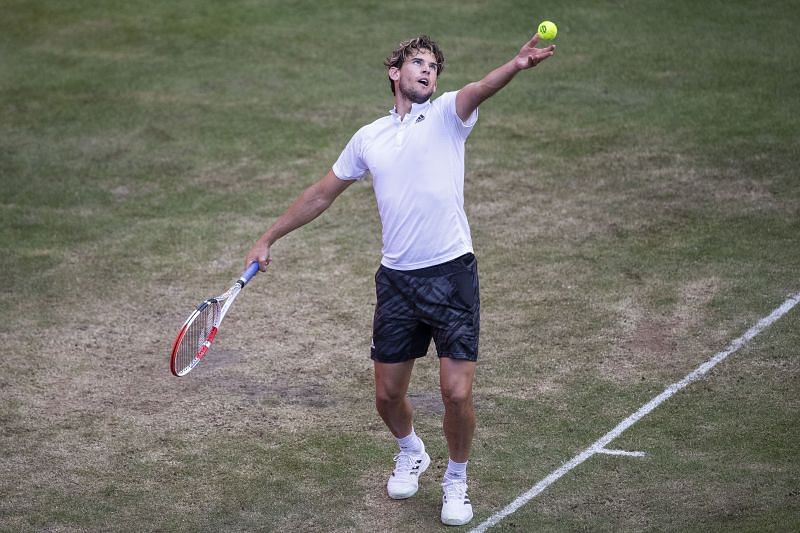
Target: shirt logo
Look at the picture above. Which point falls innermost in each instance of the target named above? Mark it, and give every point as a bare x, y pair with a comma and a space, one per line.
420, 119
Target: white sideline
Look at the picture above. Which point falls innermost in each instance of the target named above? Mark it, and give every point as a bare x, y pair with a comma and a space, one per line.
602, 442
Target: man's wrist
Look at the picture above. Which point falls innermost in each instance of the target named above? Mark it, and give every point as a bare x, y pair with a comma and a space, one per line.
267, 239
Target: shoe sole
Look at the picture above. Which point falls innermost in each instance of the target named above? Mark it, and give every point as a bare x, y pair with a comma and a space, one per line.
425, 464
454, 522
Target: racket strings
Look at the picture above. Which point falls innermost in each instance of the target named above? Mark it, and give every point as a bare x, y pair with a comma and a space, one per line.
197, 334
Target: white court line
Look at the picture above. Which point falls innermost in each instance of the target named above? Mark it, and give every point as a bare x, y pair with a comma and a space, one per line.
603, 441
622, 452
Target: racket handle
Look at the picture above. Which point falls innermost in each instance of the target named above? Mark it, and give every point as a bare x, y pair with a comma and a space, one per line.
248, 274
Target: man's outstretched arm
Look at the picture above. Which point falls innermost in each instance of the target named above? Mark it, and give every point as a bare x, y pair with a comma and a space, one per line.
473, 94
308, 206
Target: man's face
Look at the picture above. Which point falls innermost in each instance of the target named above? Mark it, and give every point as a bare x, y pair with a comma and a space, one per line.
417, 76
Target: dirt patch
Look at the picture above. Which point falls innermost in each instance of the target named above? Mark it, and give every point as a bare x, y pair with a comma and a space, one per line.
221, 373
655, 341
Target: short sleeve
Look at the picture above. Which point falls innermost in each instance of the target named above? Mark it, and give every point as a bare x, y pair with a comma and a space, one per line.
350, 165
461, 127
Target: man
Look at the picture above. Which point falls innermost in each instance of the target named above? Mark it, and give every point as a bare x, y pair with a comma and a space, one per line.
427, 283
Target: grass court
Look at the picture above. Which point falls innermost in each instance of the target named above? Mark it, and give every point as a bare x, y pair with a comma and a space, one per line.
634, 204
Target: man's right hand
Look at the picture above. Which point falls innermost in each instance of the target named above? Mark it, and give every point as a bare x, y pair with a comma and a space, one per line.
259, 252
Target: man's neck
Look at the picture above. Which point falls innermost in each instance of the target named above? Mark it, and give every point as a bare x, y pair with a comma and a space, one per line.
404, 106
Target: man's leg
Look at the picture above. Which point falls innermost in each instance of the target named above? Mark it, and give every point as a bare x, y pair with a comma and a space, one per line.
455, 378
391, 387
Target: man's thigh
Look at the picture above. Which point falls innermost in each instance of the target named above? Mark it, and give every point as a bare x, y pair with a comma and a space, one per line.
392, 379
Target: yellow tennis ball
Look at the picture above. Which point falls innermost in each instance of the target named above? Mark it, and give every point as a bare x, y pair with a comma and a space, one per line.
548, 30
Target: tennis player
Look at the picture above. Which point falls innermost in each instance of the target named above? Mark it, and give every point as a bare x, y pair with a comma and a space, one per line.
427, 282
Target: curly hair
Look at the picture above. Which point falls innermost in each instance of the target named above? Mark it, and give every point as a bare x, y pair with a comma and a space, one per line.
409, 48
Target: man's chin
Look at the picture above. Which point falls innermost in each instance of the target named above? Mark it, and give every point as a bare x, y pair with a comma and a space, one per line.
418, 97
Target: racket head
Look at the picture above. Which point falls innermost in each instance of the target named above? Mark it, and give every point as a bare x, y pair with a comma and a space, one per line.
198, 332
195, 337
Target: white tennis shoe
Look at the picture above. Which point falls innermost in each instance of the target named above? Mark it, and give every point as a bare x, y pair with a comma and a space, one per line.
404, 481
456, 507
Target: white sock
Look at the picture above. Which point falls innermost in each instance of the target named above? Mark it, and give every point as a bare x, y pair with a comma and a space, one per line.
456, 471
411, 443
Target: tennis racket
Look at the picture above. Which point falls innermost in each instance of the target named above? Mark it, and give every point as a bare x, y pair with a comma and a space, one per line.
198, 332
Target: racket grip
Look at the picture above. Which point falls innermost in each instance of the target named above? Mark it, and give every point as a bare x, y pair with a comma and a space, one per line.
248, 274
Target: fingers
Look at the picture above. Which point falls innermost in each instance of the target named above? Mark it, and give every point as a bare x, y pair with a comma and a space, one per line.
260, 255
263, 262
530, 56
547, 52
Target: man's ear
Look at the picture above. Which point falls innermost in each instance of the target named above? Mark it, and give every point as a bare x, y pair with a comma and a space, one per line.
394, 73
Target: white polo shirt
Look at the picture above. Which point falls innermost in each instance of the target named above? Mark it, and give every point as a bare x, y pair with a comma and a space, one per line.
417, 168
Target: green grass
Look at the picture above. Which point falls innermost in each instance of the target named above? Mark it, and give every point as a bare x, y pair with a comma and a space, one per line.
634, 203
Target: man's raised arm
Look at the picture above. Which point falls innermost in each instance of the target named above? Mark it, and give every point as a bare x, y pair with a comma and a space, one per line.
473, 94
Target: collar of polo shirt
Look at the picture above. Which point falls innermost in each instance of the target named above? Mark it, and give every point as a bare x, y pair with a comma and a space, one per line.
416, 110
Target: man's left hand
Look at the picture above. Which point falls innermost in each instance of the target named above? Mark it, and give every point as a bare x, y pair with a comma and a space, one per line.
529, 56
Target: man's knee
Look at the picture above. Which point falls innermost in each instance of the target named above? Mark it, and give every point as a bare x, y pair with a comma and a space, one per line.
457, 397
387, 396
456, 383
391, 383
389, 393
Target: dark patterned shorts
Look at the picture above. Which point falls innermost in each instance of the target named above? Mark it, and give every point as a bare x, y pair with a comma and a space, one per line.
441, 302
